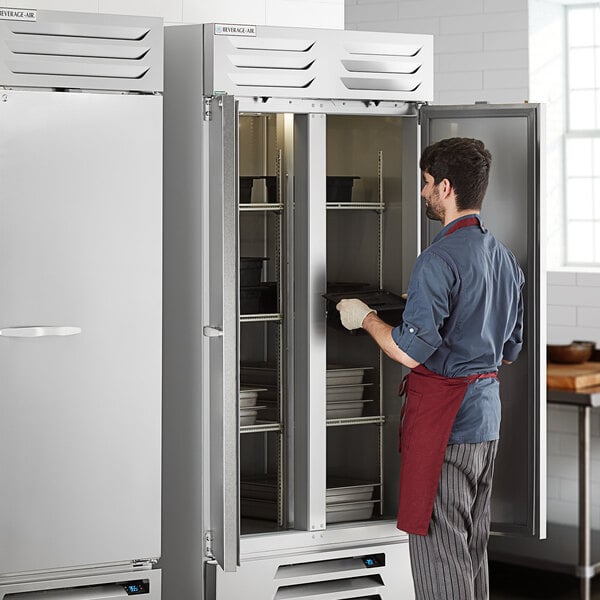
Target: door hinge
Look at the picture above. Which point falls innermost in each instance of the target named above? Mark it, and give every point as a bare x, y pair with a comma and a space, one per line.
419, 106
208, 109
208, 544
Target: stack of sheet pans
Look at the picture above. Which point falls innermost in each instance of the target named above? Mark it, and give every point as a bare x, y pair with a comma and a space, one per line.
349, 500
345, 391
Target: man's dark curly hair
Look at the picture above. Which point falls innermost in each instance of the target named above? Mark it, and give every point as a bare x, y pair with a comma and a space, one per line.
465, 163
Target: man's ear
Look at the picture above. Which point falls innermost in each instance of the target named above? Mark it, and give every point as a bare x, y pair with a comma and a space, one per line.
445, 188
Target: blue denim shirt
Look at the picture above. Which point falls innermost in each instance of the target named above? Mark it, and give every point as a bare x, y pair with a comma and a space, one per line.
463, 315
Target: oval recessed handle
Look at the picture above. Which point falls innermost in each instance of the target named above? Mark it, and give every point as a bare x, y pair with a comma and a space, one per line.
212, 331
39, 331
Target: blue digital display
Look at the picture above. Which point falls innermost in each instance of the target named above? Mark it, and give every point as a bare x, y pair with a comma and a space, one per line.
136, 587
372, 561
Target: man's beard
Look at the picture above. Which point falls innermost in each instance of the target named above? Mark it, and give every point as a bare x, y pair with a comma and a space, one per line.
431, 211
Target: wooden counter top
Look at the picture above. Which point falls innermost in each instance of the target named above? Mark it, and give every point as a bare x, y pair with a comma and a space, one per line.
573, 377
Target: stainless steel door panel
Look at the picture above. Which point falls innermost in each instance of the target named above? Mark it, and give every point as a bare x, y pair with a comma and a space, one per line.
223, 332
309, 323
511, 209
80, 247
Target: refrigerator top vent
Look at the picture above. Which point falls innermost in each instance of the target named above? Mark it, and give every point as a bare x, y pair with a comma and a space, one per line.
82, 51
319, 64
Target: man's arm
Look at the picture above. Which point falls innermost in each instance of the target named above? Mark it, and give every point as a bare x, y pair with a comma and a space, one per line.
381, 332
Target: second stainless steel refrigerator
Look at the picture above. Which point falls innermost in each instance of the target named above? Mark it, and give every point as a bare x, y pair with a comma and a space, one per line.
291, 171
80, 305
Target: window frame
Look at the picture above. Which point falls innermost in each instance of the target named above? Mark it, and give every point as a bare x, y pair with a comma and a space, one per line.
572, 134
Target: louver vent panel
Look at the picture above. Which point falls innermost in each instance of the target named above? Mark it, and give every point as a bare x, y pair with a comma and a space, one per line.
272, 44
384, 49
332, 64
380, 66
397, 84
273, 61
269, 65
38, 46
342, 589
272, 79
75, 68
79, 30
85, 51
335, 573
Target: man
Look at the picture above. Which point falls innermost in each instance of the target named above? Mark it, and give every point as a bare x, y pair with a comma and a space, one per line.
463, 319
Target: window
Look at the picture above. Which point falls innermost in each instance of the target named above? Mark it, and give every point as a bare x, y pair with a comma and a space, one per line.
582, 138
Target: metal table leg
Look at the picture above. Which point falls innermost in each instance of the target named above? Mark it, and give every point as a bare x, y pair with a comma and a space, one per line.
584, 571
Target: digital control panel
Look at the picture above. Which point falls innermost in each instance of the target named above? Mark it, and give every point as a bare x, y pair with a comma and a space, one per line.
136, 587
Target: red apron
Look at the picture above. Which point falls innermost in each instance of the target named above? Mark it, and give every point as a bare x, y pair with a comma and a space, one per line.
428, 414
430, 408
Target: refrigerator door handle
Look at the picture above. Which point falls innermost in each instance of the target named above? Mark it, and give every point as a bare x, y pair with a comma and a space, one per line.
212, 331
39, 331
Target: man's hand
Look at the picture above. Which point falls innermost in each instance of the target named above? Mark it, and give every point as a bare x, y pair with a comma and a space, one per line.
353, 312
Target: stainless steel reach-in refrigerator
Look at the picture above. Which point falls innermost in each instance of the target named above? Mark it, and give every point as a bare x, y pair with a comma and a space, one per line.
80, 305
291, 172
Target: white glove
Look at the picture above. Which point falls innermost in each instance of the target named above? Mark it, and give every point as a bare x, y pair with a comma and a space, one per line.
353, 312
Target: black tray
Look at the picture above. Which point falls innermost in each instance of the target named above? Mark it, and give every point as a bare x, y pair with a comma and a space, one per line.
251, 269
258, 299
247, 183
339, 188
389, 307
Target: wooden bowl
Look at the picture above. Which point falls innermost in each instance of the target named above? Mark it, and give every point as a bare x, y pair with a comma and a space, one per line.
569, 353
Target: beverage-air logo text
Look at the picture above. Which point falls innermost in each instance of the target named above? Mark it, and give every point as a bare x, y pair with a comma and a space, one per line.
223, 29
18, 14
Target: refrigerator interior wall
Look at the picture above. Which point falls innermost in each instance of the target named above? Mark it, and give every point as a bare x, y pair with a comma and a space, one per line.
365, 163
364, 251
262, 397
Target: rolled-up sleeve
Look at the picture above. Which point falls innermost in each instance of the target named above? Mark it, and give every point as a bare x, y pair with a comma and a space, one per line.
512, 347
427, 307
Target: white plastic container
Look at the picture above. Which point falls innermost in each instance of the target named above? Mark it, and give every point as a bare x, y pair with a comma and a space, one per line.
343, 491
249, 396
345, 409
349, 511
248, 415
340, 375
345, 392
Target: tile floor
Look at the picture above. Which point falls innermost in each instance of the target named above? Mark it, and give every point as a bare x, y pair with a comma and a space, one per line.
519, 583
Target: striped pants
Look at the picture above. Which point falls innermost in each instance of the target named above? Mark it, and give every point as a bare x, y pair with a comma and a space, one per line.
450, 562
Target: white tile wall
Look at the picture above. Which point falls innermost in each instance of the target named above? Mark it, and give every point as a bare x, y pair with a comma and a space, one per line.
305, 13
376, 11
485, 22
74, 5
506, 40
471, 42
228, 11
169, 10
